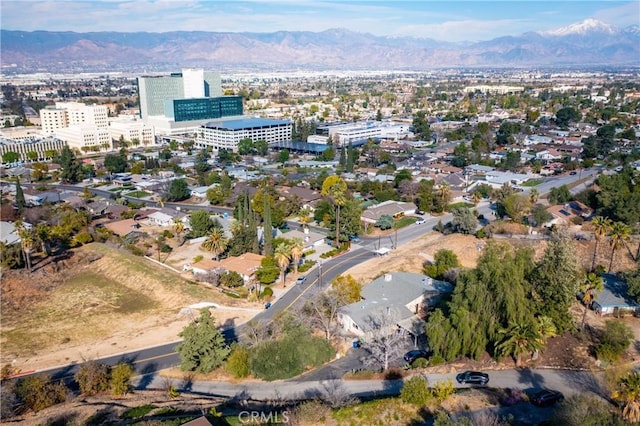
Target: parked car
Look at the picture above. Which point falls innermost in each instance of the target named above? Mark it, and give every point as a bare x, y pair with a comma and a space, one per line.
411, 356
420, 212
354, 238
301, 279
419, 221
546, 398
473, 377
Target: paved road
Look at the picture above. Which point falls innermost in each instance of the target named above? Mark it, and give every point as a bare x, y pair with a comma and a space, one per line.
567, 382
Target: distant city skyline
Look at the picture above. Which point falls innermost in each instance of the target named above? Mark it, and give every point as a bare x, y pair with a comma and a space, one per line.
453, 21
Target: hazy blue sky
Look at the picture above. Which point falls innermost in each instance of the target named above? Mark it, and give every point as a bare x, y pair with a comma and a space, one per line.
442, 20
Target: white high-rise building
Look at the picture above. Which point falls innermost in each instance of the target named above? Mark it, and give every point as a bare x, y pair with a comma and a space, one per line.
67, 114
193, 82
154, 91
53, 119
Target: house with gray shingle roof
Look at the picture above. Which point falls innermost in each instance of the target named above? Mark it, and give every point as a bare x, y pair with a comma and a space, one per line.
392, 208
614, 298
402, 293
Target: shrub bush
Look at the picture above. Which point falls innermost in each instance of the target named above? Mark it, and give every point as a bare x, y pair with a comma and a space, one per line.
267, 293
443, 390
38, 392
311, 413
135, 250
231, 279
120, 377
420, 363
290, 356
167, 234
415, 391
83, 237
481, 233
198, 258
238, 361
92, 378
137, 412
616, 338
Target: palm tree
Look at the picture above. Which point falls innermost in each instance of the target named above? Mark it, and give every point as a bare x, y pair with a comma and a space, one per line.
304, 217
619, 234
26, 241
282, 255
296, 247
534, 195
336, 188
519, 339
591, 283
43, 235
628, 393
601, 227
178, 227
444, 192
216, 242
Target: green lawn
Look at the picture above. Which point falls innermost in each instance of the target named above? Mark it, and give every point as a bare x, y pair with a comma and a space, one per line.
404, 221
460, 204
532, 182
138, 194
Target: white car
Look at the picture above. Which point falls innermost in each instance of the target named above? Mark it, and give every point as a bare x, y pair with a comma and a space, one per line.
419, 221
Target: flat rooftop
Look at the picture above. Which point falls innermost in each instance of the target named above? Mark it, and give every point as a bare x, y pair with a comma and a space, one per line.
245, 123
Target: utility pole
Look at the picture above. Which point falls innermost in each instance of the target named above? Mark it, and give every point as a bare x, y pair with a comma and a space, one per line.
395, 245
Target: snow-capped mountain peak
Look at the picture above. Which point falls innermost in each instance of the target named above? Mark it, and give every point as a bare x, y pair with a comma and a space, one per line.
582, 28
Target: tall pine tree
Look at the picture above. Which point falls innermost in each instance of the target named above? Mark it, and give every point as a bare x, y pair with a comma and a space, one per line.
20, 201
267, 228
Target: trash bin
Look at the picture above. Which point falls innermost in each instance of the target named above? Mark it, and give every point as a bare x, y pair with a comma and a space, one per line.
356, 344
267, 305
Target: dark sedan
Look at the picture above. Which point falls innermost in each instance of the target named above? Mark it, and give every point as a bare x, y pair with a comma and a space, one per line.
546, 398
411, 356
473, 377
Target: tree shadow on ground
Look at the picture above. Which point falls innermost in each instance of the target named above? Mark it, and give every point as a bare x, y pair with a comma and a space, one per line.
527, 376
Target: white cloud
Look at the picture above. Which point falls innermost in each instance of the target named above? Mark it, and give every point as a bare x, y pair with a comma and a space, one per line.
465, 30
620, 16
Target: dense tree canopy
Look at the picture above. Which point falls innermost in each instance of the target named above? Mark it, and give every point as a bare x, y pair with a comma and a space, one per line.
203, 348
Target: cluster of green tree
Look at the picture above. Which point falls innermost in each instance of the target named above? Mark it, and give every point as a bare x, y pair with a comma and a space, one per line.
348, 158
247, 146
619, 196
509, 304
37, 392
273, 354
62, 227
302, 129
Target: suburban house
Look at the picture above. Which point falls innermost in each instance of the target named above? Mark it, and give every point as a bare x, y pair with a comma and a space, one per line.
246, 265
8, 233
401, 294
564, 214
122, 228
392, 208
614, 299
310, 240
163, 217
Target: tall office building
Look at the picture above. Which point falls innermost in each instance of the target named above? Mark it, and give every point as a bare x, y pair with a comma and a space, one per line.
191, 83
67, 114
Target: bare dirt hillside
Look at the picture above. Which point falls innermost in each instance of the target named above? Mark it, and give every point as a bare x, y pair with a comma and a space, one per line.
98, 301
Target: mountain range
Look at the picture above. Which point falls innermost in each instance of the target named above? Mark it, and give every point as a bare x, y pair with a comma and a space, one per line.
587, 44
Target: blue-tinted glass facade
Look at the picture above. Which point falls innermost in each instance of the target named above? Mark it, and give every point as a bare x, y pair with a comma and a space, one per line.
203, 108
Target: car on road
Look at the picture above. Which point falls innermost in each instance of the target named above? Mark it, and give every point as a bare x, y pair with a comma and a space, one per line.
415, 354
546, 398
473, 377
354, 238
419, 221
301, 279
573, 173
